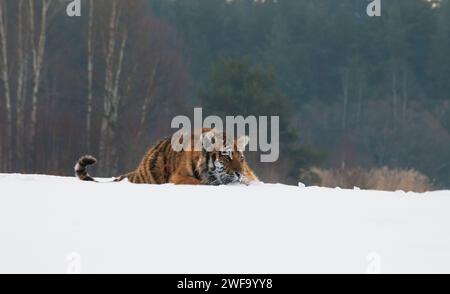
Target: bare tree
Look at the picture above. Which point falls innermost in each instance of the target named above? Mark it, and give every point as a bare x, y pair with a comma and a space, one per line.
138, 57
6, 84
345, 78
361, 80
90, 74
405, 94
112, 97
394, 95
22, 67
38, 51
147, 100
2, 164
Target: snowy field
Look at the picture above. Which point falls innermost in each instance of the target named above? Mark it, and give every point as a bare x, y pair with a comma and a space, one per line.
61, 225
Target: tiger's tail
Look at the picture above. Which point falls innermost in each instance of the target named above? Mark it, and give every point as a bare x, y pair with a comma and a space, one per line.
81, 168
84, 162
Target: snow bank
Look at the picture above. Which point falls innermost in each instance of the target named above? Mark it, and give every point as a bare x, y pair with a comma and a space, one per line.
58, 225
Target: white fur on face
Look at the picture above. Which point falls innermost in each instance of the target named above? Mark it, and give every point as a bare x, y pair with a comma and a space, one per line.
219, 165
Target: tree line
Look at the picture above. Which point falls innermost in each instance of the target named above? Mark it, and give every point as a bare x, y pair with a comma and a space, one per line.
363, 91
352, 90
87, 84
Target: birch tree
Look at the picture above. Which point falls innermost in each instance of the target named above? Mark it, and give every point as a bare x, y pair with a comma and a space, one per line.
38, 51
117, 39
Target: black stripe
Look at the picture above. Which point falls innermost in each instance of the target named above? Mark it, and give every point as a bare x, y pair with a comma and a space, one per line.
152, 158
159, 144
140, 178
145, 167
165, 161
153, 162
194, 171
214, 157
207, 155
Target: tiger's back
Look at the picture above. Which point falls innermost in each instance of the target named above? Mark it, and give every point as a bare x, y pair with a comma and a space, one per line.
157, 166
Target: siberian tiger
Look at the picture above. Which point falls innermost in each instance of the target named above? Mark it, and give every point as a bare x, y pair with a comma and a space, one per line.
163, 165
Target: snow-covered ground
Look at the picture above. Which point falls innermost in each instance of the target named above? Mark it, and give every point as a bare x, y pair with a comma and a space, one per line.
59, 225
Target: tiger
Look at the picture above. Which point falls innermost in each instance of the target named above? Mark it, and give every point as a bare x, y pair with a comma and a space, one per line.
163, 165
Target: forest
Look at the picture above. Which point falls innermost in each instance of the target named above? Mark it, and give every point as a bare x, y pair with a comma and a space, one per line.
353, 92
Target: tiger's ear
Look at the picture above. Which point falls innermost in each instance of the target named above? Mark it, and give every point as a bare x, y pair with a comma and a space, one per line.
209, 141
242, 142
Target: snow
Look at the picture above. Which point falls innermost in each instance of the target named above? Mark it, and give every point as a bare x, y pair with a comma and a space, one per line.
61, 225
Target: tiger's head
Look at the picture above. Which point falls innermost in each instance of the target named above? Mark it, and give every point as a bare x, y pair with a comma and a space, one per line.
224, 160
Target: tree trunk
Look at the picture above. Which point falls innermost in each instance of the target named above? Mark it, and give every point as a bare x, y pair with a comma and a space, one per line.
116, 105
405, 96
394, 97
147, 101
90, 76
362, 84
104, 131
38, 51
2, 167
6, 85
108, 148
21, 86
345, 91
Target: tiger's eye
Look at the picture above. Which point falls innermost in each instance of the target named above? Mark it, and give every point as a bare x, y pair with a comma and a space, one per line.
227, 154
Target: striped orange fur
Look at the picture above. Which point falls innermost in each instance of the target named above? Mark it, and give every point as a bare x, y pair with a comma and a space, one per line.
163, 165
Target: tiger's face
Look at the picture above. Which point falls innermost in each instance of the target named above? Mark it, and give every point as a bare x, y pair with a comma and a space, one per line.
226, 165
